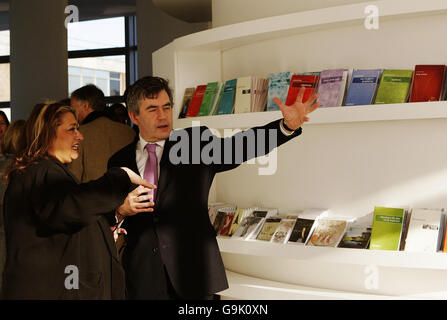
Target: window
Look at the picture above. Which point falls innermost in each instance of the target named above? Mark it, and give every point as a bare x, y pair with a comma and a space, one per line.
102, 52
5, 76
96, 34
105, 59
107, 73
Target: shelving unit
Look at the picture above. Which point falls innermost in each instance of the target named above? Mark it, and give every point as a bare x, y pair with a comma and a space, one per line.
348, 159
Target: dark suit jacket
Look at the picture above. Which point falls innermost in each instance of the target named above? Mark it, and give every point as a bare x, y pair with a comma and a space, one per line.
178, 235
52, 222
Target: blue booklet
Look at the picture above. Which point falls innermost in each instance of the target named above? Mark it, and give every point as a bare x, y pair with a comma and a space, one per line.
227, 102
278, 87
363, 87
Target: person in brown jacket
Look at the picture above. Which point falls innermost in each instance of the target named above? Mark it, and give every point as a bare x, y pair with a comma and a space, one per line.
103, 137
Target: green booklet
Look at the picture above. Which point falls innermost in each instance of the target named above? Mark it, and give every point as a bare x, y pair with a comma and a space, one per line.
386, 228
208, 98
394, 86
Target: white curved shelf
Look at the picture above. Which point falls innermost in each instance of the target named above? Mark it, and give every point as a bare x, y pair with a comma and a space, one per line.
250, 288
244, 33
242, 287
383, 258
384, 112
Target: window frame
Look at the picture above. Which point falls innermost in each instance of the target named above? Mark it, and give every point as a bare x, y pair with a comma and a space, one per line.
129, 51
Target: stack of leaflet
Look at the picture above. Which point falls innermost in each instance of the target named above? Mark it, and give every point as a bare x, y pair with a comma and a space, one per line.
363, 87
259, 94
213, 209
332, 87
208, 99
278, 87
227, 101
428, 83
394, 86
298, 81
251, 94
251, 225
189, 93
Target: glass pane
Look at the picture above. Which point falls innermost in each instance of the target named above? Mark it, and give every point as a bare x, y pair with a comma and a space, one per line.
115, 87
88, 80
114, 75
97, 70
74, 82
102, 84
96, 34
74, 71
88, 73
4, 43
5, 86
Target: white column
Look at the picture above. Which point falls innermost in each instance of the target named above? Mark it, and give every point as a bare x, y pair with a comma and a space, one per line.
39, 70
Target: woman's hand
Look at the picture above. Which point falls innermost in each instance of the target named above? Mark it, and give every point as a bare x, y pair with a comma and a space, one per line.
136, 179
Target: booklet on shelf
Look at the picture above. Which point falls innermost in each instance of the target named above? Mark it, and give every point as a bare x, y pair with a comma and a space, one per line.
268, 229
284, 230
394, 86
425, 230
213, 208
189, 93
327, 232
387, 228
196, 101
358, 234
208, 99
428, 82
363, 87
332, 87
298, 81
226, 224
227, 102
278, 86
243, 98
239, 216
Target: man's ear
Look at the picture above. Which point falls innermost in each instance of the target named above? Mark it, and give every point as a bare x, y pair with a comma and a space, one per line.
134, 118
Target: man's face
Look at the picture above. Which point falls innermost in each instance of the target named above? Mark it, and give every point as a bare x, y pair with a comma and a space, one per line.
81, 108
155, 117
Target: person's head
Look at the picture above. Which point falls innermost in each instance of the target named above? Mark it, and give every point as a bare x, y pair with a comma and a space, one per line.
51, 132
87, 99
4, 123
149, 101
14, 140
118, 112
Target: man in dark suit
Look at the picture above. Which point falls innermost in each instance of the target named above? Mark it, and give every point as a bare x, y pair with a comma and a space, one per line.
172, 253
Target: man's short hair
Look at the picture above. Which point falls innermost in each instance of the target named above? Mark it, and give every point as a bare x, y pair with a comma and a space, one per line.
146, 88
92, 94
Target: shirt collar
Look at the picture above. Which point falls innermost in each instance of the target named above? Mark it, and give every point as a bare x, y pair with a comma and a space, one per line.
142, 143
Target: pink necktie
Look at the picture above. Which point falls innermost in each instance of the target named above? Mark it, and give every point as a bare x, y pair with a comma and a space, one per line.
151, 167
